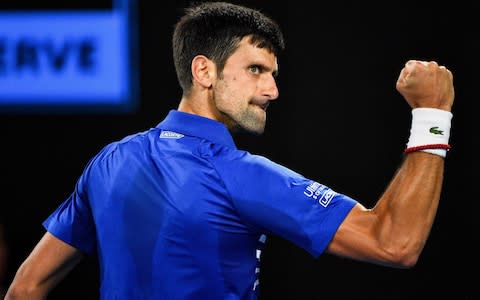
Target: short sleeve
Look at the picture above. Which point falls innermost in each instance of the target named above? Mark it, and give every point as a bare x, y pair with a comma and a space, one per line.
275, 199
72, 221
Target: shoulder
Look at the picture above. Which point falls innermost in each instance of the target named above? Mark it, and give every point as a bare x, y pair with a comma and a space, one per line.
132, 143
229, 161
130, 147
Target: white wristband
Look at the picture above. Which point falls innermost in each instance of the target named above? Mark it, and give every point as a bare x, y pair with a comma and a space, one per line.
430, 131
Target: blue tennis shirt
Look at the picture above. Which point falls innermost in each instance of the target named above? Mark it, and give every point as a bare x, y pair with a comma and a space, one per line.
178, 212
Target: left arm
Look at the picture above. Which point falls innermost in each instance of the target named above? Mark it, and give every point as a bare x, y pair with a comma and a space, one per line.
49, 262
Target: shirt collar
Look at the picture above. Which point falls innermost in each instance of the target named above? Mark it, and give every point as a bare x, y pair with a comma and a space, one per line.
195, 125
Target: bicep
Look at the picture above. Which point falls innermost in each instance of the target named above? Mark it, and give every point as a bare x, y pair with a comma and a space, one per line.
357, 238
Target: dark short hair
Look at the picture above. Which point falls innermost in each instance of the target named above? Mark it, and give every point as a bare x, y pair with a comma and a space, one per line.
214, 29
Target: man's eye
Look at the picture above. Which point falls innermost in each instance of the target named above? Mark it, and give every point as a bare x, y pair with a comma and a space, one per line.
254, 69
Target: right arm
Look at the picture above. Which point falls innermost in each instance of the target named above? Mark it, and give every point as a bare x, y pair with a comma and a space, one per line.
395, 230
49, 262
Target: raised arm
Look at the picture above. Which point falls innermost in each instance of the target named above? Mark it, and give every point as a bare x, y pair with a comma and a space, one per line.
49, 262
395, 230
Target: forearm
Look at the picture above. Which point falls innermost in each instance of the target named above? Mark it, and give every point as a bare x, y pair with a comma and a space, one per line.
407, 208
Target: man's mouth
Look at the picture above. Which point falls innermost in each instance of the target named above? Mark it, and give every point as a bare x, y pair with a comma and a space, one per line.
262, 106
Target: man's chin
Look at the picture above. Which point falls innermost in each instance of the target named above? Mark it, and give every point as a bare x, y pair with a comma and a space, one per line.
252, 130
251, 125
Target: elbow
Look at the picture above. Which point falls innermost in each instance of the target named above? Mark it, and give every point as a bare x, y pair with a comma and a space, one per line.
400, 250
15, 292
402, 261
23, 287
403, 257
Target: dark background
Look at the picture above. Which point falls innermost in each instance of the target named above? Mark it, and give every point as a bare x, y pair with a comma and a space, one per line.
338, 120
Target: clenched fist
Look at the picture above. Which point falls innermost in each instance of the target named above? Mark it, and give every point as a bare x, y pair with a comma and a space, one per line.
426, 84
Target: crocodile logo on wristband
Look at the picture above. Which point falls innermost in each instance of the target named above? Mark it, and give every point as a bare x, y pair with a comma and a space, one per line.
435, 130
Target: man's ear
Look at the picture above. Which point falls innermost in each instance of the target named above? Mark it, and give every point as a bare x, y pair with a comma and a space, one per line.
203, 70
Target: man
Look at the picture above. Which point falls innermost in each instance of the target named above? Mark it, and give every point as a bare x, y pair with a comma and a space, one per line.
178, 212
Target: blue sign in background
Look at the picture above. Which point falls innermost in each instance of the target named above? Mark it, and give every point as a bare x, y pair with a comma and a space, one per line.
67, 60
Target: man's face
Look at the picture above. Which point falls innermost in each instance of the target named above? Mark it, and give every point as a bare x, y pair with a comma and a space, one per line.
246, 86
